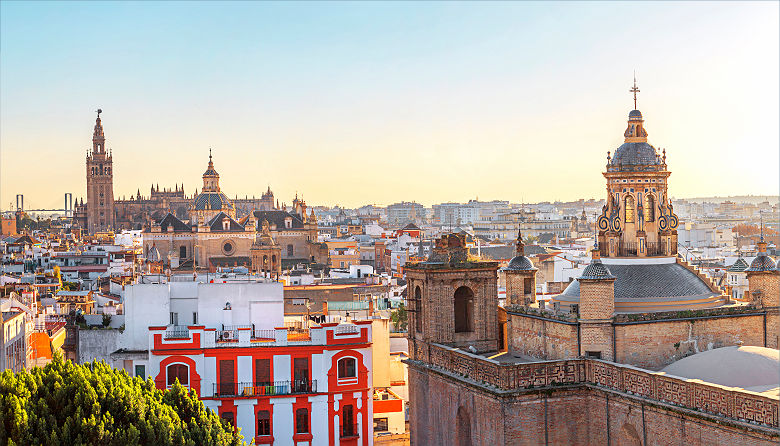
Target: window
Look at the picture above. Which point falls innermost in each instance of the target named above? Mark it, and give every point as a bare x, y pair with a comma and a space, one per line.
649, 208
630, 209
290, 251
301, 421
140, 371
227, 384
594, 355
380, 424
346, 368
228, 416
263, 423
180, 372
174, 318
194, 318
348, 428
464, 310
528, 284
183, 252
262, 372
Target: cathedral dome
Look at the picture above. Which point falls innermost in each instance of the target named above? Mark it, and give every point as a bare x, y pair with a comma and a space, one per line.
635, 114
212, 201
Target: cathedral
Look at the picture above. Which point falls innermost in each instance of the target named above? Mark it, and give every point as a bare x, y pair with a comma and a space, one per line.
623, 356
206, 229
101, 212
214, 235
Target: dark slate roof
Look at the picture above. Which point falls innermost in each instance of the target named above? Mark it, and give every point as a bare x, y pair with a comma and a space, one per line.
494, 252
634, 154
646, 281
738, 266
533, 250
215, 224
411, 227
596, 271
171, 220
762, 263
216, 200
635, 114
277, 218
520, 263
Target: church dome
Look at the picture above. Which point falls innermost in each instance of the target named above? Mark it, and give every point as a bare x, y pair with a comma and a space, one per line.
635, 114
751, 368
520, 263
761, 263
632, 154
596, 271
212, 201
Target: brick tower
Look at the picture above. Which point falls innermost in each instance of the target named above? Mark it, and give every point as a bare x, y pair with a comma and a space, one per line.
453, 300
597, 307
520, 277
100, 183
764, 286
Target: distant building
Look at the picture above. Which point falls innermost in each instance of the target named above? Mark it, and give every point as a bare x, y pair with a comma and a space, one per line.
402, 213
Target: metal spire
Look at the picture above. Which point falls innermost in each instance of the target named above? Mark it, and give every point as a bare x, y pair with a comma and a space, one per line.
634, 90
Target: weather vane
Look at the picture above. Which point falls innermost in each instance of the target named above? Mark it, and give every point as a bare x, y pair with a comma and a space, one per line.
634, 90
99, 111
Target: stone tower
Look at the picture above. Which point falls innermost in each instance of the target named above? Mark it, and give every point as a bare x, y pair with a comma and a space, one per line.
520, 277
597, 307
100, 183
452, 299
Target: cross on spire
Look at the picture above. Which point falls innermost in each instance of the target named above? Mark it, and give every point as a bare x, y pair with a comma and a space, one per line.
634, 90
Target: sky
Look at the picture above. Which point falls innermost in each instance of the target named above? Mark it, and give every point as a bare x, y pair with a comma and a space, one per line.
352, 103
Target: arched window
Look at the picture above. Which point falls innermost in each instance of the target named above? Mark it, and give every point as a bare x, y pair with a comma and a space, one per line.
290, 251
265, 262
347, 368
183, 252
178, 371
301, 421
630, 209
418, 317
649, 208
463, 425
263, 423
464, 310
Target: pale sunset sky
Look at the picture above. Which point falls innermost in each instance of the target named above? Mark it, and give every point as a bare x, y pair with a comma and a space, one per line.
371, 102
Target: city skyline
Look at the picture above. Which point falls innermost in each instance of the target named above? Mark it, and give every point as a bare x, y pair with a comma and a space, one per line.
380, 103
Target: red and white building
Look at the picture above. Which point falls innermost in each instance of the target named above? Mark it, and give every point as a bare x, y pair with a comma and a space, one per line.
228, 343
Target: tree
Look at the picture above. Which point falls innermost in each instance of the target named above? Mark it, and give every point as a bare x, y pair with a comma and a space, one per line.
400, 318
106, 320
93, 404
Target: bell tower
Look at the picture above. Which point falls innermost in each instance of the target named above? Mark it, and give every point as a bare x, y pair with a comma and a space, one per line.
100, 182
638, 219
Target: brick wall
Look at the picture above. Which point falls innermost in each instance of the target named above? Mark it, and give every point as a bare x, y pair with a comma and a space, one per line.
596, 338
657, 344
587, 416
597, 298
541, 338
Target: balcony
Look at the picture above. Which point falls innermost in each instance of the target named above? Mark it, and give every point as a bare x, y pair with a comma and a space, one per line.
250, 389
177, 332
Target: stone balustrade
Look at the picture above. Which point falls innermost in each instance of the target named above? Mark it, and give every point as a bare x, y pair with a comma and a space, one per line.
692, 394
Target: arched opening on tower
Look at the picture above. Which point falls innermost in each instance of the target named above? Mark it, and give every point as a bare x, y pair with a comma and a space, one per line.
418, 307
649, 208
464, 310
630, 209
463, 426
182, 252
